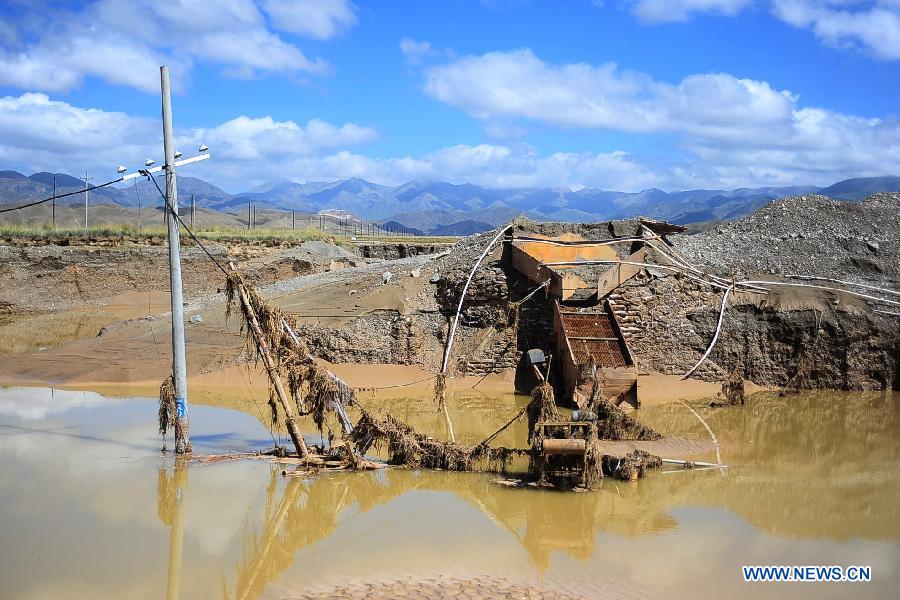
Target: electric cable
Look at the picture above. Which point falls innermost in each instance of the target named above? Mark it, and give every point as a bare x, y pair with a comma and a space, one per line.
57, 196
186, 228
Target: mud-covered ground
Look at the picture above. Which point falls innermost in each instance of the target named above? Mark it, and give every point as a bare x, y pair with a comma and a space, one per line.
356, 310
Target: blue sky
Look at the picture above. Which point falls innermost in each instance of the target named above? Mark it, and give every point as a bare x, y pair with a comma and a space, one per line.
619, 94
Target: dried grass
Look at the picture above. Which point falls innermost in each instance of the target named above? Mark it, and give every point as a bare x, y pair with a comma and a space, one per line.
167, 408
541, 408
592, 471
614, 424
440, 390
168, 417
733, 389
311, 386
409, 448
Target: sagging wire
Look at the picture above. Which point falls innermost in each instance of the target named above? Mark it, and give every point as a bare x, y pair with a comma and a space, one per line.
170, 209
58, 196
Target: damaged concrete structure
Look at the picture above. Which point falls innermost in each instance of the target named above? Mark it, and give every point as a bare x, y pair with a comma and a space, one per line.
662, 318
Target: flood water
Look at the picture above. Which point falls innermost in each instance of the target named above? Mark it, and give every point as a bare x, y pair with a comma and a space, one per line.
91, 509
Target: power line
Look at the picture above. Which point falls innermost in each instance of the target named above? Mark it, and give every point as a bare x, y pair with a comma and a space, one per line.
102, 185
186, 228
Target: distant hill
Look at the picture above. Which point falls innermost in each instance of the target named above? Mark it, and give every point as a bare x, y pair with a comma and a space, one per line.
860, 187
434, 206
397, 227
18, 188
462, 228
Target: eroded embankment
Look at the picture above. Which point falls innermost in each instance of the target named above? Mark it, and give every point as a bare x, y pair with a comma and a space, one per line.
53, 277
397, 312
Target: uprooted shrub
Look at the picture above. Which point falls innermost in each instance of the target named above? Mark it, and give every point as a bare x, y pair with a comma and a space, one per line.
405, 446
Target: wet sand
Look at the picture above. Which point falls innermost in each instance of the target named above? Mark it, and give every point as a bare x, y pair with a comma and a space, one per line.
481, 588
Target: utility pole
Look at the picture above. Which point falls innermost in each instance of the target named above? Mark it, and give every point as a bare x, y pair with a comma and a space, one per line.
53, 210
249, 212
86, 179
179, 367
192, 210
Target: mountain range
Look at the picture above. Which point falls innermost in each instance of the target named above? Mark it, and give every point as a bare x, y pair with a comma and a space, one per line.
446, 208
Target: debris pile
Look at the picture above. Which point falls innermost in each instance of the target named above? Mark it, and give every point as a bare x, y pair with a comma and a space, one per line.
808, 234
733, 390
632, 466
406, 447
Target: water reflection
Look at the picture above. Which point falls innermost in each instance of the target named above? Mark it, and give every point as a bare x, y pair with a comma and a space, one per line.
35, 404
29, 332
819, 464
170, 493
812, 477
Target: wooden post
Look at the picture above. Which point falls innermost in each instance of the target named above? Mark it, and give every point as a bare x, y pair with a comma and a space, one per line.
293, 431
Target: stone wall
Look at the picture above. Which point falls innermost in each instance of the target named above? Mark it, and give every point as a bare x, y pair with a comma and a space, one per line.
392, 251
669, 322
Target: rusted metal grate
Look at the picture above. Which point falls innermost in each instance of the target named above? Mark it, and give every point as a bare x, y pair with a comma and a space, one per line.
586, 333
588, 325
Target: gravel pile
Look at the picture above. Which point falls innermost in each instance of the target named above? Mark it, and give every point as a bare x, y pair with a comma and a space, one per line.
807, 235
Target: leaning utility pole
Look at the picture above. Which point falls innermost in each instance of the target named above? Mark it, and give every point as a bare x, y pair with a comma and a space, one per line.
86, 179
179, 368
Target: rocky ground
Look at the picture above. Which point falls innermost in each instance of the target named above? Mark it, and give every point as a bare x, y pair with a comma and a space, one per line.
811, 235
353, 309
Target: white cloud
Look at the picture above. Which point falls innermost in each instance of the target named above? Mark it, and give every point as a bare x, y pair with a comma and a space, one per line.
484, 164
873, 26
36, 404
870, 25
320, 19
741, 130
38, 133
35, 130
256, 139
771, 146
415, 52
518, 84
658, 11
123, 42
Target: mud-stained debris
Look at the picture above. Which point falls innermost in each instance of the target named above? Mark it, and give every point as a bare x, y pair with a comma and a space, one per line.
404, 446
168, 415
632, 466
733, 393
614, 424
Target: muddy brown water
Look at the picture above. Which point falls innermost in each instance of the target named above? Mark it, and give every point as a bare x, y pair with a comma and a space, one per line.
24, 332
91, 509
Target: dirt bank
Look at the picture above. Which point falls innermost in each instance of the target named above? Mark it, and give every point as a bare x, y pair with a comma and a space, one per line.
54, 277
372, 312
